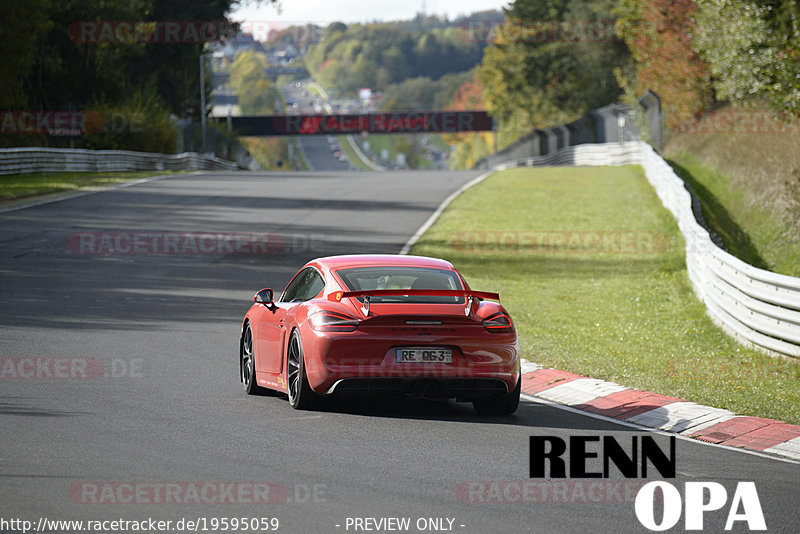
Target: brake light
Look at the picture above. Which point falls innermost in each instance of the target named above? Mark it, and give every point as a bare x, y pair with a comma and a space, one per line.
328, 321
498, 323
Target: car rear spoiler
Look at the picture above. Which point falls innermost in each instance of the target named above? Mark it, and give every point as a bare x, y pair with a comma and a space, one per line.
470, 295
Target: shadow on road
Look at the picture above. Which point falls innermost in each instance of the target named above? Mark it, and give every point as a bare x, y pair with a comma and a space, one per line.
529, 414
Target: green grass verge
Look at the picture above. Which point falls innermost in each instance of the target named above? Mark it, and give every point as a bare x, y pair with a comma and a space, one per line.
314, 89
300, 155
352, 157
750, 231
17, 186
626, 314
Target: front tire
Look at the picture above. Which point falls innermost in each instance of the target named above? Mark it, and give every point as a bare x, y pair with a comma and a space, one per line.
301, 396
500, 405
247, 364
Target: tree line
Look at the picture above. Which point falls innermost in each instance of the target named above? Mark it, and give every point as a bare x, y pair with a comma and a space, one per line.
378, 55
83, 55
551, 62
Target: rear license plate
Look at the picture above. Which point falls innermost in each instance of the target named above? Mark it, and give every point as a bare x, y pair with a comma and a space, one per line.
423, 355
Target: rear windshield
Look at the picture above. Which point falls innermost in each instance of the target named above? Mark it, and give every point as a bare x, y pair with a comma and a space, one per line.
366, 278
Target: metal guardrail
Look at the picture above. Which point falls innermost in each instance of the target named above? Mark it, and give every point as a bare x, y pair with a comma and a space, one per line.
38, 159
754, 305
609, 124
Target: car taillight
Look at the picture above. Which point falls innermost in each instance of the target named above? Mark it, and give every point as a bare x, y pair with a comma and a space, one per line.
327, 321
498, 323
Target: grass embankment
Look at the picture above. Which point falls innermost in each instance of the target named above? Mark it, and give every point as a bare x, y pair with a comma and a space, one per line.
591, 267
748, 183
350, 153
19, 186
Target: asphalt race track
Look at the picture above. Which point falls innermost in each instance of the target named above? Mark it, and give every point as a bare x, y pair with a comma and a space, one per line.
315, 148
155, 400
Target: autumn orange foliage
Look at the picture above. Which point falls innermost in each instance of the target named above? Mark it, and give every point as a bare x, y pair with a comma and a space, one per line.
660, 41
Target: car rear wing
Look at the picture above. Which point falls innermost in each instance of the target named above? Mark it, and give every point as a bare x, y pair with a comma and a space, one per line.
470, 295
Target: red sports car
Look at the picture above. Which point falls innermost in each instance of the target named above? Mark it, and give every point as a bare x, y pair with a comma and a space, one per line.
381, 325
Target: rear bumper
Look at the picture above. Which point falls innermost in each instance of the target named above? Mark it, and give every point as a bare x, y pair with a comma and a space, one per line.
483, 364
435, 388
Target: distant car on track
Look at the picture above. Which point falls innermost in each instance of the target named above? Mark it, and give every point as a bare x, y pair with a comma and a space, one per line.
375, 325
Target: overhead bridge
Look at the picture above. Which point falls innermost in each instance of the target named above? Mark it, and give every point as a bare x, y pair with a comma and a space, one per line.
356, 123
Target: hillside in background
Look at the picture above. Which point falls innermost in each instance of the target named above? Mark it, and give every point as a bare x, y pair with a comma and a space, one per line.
378, 55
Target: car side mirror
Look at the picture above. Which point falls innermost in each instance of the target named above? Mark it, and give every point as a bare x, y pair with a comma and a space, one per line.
264, 297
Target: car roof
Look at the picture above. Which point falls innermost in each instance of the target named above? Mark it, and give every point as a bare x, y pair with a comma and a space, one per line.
381, 260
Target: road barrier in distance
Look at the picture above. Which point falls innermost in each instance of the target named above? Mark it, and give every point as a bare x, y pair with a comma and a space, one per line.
28, 160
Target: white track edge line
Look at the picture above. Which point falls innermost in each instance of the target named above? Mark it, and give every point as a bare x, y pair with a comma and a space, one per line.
436, 214
760, 454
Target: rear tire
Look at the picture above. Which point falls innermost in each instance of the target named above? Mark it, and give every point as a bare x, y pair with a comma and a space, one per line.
301, 396
247, 364
500, 405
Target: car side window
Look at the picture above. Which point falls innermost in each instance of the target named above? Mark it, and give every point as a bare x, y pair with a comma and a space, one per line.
295, 287
315, 285
305, 286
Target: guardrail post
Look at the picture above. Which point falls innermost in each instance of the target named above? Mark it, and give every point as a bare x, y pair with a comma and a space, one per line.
203, 101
